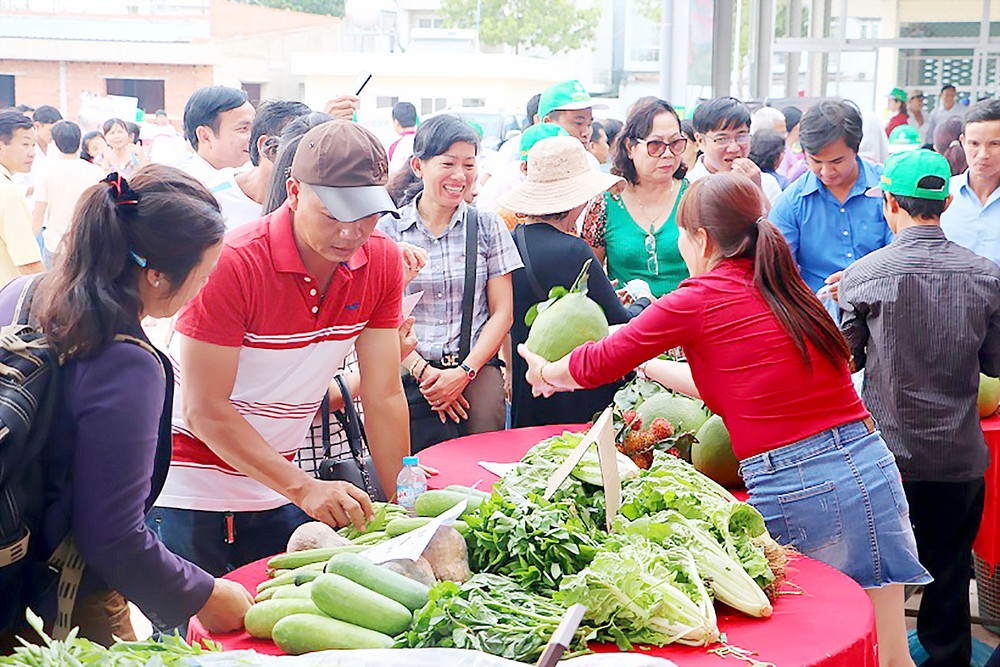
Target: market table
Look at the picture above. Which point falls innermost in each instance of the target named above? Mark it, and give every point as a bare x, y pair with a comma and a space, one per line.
987, 545
821, 618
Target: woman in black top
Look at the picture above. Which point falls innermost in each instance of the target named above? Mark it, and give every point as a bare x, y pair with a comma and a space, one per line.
559, 186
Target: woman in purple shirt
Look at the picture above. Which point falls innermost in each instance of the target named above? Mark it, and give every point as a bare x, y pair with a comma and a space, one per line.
135, 249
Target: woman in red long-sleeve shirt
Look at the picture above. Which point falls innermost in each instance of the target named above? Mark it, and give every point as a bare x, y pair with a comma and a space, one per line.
763, 353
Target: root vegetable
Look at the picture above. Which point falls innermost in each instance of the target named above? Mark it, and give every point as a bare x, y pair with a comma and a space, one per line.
448, 555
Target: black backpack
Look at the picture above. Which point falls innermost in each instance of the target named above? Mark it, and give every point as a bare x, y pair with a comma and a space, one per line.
30, 388
30, 395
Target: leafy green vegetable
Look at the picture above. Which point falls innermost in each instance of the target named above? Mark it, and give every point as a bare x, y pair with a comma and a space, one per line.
488, 613
672, 484
75, 651
638, 591
552, 453
725, 575
534, 541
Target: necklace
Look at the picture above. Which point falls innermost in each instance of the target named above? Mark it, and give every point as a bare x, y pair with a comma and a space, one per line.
654, 220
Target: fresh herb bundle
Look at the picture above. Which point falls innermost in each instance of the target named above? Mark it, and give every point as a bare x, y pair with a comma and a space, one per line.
533, 541
488, 613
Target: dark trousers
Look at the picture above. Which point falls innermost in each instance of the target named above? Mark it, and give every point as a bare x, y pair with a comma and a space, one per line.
487, 411
945, 517
203, 537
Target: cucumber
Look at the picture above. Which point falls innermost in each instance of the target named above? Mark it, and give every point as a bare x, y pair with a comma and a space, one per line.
399, 527
297, 559
304, 633
261, 617
303, 592
302, 574
469, 491
437, 502
265, 594
409, 593
341, 598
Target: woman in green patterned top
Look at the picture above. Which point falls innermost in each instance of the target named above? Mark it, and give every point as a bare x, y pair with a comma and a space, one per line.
635, 231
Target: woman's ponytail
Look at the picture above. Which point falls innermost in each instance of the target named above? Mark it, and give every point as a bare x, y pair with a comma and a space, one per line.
798, 310
728, 207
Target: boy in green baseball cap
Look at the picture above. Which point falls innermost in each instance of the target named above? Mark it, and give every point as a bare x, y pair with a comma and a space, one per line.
922, 318
568, 104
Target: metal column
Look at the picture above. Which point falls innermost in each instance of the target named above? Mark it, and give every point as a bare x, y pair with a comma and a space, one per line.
666, 48
722, 47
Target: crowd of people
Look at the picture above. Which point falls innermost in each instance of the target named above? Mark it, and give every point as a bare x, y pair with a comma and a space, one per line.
281, 244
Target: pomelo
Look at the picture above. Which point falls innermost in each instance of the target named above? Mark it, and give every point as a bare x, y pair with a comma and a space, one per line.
683, 413
989, 395
712, 455
566, 321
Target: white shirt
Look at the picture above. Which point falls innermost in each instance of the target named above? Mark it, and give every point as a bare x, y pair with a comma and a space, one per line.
60, 187
237, 207
768, 183
201, 169
402, 153
505, 180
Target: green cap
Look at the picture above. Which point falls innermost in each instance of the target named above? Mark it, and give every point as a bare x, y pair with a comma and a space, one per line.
565, 96
536, 133
904, 138
898, 94
904, 171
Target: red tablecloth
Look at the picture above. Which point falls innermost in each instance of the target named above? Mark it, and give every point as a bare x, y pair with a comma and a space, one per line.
987, 545
823, 617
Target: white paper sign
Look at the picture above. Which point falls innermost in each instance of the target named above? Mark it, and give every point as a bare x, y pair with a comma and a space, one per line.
412, 544
410, 302
498, 469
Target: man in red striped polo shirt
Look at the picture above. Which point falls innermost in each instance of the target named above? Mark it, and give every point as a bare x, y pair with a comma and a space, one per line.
256, 350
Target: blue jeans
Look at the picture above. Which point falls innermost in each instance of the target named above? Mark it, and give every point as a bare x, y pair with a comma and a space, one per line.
202, 537
837, 497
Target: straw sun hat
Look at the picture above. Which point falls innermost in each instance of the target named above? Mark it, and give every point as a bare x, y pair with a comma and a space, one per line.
560, 178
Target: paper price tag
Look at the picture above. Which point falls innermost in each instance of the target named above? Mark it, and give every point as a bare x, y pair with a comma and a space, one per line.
410, 302
411, 545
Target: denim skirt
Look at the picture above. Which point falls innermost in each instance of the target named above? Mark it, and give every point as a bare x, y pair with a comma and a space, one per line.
838, 497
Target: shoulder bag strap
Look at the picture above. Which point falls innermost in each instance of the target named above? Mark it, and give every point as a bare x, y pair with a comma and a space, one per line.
22, 312
522, 243
469, 294
356, 436
324, 415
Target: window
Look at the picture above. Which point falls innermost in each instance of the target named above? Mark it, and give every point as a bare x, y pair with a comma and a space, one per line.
432, 104
473, 102
253, 93
7, 90
430, 22
382, 102
148, 91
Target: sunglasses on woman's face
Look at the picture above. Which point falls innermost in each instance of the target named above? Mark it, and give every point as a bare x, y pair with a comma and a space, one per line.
656, 147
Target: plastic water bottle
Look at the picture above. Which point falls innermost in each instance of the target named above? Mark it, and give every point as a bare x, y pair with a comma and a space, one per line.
410, 483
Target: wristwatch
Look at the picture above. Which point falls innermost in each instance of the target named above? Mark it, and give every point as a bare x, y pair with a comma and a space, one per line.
469, 372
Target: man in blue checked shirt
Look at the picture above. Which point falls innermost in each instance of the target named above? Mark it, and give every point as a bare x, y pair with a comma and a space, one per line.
825, 216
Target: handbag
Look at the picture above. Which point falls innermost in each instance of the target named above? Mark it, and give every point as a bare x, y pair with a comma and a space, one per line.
426, 428
358, 469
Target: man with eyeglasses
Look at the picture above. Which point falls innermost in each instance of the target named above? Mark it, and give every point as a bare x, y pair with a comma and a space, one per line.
722, 130
825, 216
973, 219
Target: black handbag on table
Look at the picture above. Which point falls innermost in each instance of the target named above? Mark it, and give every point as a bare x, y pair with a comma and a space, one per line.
358, 469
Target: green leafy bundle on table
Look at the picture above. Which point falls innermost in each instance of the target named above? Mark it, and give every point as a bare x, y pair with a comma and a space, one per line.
533, 541
75, 651
489, 613
638, 591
